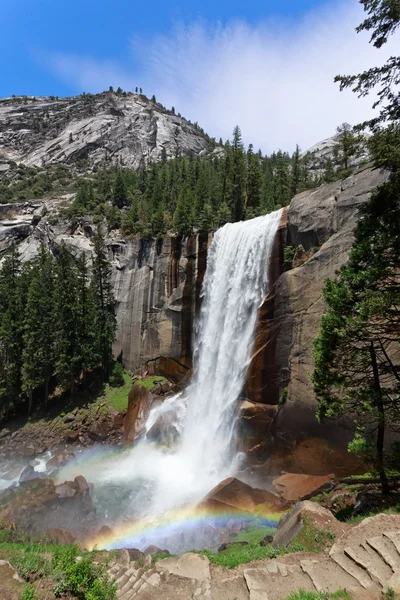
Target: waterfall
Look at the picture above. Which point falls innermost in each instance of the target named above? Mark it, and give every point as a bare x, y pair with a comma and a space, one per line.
150, 480
234, 287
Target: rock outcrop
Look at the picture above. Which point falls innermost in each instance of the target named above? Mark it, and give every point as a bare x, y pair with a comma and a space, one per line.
105, 129
322, 221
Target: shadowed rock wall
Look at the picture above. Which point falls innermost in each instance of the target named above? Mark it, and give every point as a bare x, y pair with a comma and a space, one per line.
157, 287
322, 222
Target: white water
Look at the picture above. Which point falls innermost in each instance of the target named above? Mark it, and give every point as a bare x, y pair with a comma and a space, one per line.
161, 479
234, 287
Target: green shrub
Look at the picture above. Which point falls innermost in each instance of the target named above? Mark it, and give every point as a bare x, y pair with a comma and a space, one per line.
29, 593
288, 255
303, 595
117, 375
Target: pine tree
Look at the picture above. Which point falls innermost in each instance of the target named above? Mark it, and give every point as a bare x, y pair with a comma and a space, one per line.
254, 182
38, 354
69, 359
329, 171
120, 198
281, 180
183, 215
85, 315
104, 309
12, 301
295, 172
348, 145
237, 176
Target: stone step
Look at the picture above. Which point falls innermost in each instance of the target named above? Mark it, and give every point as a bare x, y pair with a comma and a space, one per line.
386, 551
276, 581
348, 565
128, 581
114, 569
394, 537
376, 568
327, 575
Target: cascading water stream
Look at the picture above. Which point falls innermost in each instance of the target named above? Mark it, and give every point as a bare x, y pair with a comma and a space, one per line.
162, 479
234, 287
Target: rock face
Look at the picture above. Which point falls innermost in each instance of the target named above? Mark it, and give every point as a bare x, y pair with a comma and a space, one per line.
139, 404
322, 222
235, 495
106, 129
39, 505
156, 285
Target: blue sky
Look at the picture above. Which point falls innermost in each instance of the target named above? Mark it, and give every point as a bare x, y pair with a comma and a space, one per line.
265, 64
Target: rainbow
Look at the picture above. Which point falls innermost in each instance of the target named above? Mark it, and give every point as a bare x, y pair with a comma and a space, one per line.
185, 521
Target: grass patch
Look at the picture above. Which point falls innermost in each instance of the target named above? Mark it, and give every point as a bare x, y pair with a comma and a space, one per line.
117, 397
70, 572
240, 555
313, 539
150, 382
236, 555
160, 556
303, 595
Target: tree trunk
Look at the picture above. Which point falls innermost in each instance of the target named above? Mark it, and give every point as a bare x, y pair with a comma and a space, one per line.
381, 425
46, 392
30, 401
72, 386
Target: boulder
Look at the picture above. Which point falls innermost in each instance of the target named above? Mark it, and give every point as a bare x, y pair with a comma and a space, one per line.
139, 403
69, 418
297, 486
164, 429
189, 565
62, 536
59, 460
233, 495
99, 430
71, 436
267, 540
29, 473
292, 522
154, 550
230, 545
40, 505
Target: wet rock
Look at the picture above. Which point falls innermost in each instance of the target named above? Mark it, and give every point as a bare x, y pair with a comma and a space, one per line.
228, 545
27, 449
119, 420
233, 494
297, 486
39, 505
59, 460
71, 436
139, 403
100, 430
164, 428
268, 539
12, 474
29, 473
62, 536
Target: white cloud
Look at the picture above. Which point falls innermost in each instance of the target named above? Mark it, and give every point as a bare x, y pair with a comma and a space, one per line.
274, 79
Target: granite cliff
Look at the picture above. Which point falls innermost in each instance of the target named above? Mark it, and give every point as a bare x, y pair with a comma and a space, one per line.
103, 129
